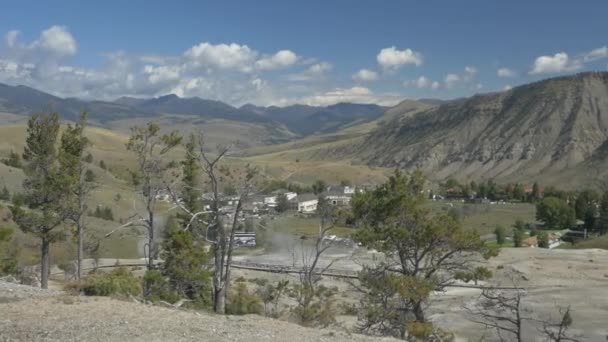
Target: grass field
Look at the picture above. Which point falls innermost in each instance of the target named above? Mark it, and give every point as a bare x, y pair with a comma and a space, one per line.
485, 217
298, 225
598, 242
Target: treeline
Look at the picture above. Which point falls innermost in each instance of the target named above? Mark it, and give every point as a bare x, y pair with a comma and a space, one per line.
492, 191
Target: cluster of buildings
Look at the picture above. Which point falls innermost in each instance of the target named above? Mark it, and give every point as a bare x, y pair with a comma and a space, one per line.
305, 203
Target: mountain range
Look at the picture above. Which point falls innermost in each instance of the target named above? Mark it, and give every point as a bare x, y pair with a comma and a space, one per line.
552, 129
299, 119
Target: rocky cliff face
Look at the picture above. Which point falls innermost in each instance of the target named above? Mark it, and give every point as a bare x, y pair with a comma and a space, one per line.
532, 131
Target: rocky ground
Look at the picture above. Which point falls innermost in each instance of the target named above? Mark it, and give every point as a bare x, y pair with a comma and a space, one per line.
552, 279
31, 314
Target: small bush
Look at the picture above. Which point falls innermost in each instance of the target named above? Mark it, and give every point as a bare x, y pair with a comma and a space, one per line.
157, 287
117, 282
243, 302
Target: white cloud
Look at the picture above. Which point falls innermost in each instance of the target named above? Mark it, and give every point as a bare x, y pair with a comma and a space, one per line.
507, 87
469, 73
354, 95
320, 68
423, 82
479, 86
281, 59
365, 75
229, 72
162, 74
560, 62
223, 56
314, 72
57, 40
392, 58
596, 54
505, 72
451, 80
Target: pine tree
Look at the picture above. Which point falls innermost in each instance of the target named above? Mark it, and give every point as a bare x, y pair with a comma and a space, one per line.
5, 195
44, 187
185, 264
191, 193
78, 180
602, 222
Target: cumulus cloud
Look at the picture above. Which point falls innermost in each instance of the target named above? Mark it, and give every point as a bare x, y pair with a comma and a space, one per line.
392, 58
596, 54
560, 62
281, 59
451, 80
223, 56
229, 72
354, 94
365, 75
57, 40
505, 72
314, 72
435, 85
507, 87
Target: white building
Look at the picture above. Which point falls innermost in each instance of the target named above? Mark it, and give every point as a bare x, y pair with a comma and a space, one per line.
307, 203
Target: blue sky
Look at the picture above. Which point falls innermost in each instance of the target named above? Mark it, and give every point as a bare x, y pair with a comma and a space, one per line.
283, 52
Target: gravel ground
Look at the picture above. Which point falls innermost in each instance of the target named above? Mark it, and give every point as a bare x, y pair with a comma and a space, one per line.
10, 292
52, 316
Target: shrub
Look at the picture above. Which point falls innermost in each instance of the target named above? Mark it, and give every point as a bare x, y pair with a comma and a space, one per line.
157, 287
242, 302
104, 213
8, 252
316, 305
5, 195
543, 240
117, 282
13, 160
500, 234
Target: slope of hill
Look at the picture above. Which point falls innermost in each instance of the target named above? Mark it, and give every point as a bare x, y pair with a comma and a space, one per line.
536, 131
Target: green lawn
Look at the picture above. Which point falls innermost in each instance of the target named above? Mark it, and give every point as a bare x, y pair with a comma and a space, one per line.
598, 242
485, 217
303, 226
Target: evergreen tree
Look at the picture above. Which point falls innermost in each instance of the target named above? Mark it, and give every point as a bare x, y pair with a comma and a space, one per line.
602, 223
5, 195
535, 192
518, 237
500, 235
282, 203
78, 180
319, 187
185, 264
191, 194
543, 240
44, 187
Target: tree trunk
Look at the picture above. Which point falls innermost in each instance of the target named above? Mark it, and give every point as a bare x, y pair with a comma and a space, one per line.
151, 246
230, 249
219, 304
45, 263
80, 252
419, 312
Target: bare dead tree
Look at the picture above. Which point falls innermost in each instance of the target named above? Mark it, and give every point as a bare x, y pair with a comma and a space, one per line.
500, 311
221, 239
308, 287
149, 147
503, 312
